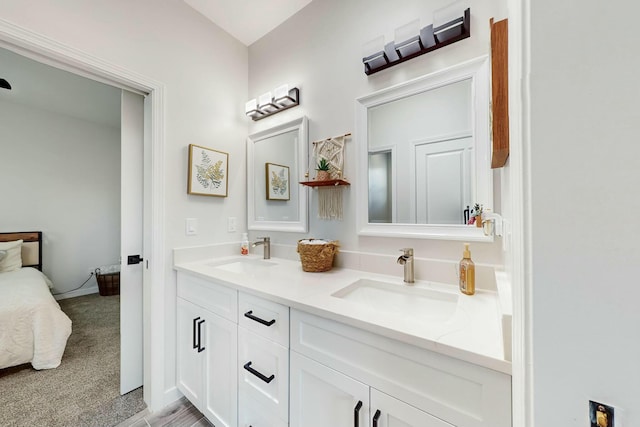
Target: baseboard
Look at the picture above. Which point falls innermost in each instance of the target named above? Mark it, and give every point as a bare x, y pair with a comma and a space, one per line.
77, 293
171, 395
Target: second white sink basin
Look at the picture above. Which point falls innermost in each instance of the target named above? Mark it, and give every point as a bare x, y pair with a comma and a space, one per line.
243, 265
405, 301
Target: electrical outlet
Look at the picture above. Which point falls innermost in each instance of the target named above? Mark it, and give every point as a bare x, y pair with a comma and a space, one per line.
601, 415
232, 224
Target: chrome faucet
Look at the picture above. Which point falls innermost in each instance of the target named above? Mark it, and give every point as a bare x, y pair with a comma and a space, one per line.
266, 242
406, 259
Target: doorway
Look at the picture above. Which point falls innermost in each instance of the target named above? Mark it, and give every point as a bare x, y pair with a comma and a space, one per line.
42, 49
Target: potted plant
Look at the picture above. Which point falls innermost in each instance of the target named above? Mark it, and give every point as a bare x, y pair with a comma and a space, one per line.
476, 213
323, 170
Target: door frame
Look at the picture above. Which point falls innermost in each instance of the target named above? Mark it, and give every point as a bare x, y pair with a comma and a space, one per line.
46, 50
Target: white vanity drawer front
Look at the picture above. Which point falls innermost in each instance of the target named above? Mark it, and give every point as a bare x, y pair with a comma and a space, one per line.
458, 392
263, 372
265, 318
216, 298
252, 414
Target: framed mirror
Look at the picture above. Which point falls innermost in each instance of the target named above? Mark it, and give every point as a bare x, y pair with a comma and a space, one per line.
424, 155
276, 162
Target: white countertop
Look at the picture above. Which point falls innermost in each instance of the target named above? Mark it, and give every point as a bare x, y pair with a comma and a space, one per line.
472, 334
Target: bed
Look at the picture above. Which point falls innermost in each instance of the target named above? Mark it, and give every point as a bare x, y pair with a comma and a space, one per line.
33, 329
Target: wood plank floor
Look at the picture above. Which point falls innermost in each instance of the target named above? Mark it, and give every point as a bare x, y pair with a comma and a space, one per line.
180, 414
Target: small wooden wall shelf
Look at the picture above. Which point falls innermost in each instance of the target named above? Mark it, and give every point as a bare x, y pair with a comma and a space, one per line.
327, 183
393, 58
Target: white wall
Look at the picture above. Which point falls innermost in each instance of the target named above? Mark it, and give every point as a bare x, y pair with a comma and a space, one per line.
205, 75
584, 147
320, 50
61, 175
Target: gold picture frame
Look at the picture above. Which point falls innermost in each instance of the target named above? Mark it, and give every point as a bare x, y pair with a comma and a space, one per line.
278, 182
208, 172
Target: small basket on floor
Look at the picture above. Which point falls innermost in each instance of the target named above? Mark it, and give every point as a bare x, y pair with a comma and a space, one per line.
108, 283
316, 255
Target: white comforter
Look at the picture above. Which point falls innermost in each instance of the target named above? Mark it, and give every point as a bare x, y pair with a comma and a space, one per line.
32, 326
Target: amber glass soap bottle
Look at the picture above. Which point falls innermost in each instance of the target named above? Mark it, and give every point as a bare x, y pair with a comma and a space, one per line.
467, 273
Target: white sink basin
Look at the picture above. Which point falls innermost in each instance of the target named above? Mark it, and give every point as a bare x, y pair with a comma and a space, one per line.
405, 301
243, 265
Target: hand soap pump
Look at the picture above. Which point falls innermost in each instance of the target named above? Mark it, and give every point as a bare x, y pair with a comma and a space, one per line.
467, 273
244, 246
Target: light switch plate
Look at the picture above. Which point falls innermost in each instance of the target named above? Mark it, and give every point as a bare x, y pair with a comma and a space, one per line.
232, 224
191, 226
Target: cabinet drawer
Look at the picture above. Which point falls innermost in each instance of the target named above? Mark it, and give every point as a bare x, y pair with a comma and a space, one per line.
216, 298
265, 318
458, 392
252, 414
263, 372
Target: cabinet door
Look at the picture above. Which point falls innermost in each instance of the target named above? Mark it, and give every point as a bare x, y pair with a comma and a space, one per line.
221, 365
322, 397
264, 372
190, 372
387, 411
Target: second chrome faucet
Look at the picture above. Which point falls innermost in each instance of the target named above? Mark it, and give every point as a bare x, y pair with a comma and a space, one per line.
406, 259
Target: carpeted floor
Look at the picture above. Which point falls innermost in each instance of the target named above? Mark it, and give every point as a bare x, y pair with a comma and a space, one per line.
84, 390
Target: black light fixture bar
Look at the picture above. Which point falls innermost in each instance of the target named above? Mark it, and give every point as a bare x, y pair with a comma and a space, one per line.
441, 33
276, 105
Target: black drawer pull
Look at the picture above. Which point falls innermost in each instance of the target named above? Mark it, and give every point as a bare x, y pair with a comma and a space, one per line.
200, 349
356, 414
266, 379
250, 315
195, 333
376, 416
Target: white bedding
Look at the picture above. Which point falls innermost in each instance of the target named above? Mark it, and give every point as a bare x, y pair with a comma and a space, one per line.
32, 326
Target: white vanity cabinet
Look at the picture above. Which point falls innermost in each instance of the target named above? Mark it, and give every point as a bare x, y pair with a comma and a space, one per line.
263, 361
207, 339
410, 386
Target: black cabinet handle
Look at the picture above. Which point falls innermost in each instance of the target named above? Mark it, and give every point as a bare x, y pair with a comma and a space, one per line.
376, 416
356, 414
250, 315
264, 378
195, 333
200, 349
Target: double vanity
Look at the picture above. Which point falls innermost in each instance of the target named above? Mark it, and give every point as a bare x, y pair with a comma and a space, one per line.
263, 344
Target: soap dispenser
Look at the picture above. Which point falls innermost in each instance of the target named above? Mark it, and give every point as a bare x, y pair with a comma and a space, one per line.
244, 246
467, 272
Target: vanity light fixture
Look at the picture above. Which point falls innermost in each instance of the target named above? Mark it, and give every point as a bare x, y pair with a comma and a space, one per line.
451, 23
269, 103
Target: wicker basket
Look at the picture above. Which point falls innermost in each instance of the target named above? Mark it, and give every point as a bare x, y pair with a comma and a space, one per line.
108, 284
317, 255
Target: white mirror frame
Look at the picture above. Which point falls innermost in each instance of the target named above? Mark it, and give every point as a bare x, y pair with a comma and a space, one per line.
482, 178
301, 125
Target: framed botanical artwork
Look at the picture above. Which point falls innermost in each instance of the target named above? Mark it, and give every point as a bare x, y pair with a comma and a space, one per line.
277, 179
208, 172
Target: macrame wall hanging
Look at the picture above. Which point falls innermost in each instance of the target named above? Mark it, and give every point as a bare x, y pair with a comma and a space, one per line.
330, 197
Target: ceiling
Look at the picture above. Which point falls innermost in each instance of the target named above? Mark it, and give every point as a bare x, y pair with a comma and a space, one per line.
41, 86
248, 20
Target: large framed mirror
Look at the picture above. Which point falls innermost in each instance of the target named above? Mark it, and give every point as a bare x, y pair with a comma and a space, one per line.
276, 161
424, 155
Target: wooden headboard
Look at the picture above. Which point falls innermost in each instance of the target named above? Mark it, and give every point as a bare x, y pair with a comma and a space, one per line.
31, 248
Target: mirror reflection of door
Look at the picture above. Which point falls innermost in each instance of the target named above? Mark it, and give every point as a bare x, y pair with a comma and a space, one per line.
442, 181
432, 143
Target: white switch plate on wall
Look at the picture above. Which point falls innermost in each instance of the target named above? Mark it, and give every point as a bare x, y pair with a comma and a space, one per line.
232, 224
191, 226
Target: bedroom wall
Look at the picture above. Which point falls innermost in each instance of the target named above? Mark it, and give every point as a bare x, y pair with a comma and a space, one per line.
204, 71
61, 175
319, 50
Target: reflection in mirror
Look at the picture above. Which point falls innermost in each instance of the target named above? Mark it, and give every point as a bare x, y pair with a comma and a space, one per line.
276, 159
424, 154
